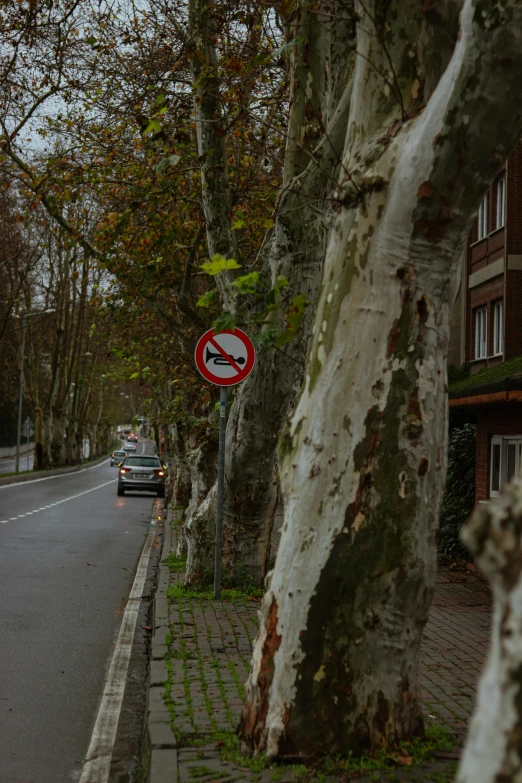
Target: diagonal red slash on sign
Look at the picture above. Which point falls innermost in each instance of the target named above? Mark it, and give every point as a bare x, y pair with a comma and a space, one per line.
223, 353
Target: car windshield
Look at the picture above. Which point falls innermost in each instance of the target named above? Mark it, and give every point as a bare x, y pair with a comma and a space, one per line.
143, 462
119, 453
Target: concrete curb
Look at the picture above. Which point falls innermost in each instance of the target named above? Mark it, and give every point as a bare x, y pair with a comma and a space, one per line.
36, 474
159, 751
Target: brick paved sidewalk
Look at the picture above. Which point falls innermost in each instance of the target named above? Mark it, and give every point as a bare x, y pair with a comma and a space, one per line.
200, 661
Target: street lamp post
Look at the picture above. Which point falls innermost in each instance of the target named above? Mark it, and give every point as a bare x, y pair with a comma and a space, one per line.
21, 395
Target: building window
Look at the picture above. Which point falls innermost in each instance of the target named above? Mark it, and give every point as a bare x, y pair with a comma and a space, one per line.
495, 471
505, 461
498, 328
481, 323
501, 202
483, 218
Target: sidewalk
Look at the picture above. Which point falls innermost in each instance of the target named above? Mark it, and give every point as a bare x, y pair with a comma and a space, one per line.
200, 661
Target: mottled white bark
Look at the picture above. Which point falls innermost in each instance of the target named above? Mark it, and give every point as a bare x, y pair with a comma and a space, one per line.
335, 666
493, 751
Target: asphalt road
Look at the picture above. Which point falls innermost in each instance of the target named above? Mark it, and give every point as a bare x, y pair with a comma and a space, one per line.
69, 548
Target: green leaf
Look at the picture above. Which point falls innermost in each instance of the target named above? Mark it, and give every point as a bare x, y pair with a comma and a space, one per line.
134, 376
159, 99
266, 337
218, 264
225, 321
281, 282
247, 283
268, 223
165, 163
91, 40
92, 329
294, 319
207, 300
153, 127
239, 223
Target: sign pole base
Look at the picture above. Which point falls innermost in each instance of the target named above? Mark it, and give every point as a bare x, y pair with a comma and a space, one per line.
220, 490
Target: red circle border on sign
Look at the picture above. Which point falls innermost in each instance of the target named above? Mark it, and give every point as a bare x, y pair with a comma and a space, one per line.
215, 379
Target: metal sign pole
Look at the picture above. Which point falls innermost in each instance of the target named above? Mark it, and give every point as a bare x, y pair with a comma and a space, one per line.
220, 490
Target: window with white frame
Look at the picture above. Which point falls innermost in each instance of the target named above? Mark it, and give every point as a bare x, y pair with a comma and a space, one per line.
483, 218
481, 330
505, 461
495, 474
501, 202
498, 328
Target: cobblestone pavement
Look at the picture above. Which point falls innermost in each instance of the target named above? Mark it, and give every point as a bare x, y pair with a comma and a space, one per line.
200, 660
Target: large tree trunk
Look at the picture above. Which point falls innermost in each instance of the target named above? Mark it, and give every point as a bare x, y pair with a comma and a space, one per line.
296, 251
200, 464
335, 665
493, 748
215, 191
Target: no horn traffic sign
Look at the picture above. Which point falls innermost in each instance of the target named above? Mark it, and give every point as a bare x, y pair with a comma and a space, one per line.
226, 358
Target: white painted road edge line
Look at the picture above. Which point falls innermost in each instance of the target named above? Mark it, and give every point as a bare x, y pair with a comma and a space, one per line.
48, 478
57, 503
98, 760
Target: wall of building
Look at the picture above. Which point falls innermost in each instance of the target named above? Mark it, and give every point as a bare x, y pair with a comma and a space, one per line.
494, 270
504, 420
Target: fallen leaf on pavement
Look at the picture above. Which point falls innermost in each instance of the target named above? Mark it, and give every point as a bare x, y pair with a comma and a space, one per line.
91, 564
403, 761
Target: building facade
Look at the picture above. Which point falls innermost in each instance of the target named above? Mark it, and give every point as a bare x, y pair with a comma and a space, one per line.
491, 336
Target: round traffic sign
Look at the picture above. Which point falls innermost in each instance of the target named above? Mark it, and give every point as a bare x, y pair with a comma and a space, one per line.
226, 358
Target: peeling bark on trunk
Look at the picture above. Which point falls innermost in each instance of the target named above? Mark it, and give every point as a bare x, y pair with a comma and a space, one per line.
493, 751
296, 251
363, 459
201, 466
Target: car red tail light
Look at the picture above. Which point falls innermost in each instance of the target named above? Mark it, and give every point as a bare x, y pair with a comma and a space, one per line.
159, 472
125, 470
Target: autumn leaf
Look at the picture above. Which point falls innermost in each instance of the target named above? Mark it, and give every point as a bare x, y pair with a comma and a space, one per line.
246, 284
402, 761
207, 300
219, 264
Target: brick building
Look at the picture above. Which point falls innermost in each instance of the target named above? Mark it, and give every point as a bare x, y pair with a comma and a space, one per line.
491, 331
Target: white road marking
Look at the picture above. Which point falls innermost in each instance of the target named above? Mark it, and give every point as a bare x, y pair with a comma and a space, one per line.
64, 500
60, 475
98, 760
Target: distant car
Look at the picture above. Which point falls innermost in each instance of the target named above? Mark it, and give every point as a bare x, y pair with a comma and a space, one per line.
117, 457
132, 439
142, 474
130, 446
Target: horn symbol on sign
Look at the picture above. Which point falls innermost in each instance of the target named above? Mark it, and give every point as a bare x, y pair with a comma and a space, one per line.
218, 358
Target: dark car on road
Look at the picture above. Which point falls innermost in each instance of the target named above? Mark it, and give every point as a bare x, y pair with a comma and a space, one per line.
132, 439
117, 457
142, 474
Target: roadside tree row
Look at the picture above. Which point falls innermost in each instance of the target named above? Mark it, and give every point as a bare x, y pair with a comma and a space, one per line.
308, 171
